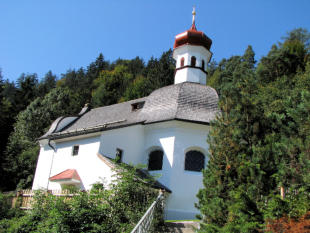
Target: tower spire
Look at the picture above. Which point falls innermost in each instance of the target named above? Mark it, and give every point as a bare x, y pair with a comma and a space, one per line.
191, 51
193, 20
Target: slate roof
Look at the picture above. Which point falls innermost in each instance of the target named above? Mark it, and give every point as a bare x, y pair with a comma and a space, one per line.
184, 101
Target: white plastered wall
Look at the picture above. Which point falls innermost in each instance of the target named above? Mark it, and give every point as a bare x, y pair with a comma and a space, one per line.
176, 138
43, 167
87, 163
89, 166
129, 139
189, 74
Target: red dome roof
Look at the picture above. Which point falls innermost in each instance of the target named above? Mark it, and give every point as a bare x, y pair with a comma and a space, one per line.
192, 37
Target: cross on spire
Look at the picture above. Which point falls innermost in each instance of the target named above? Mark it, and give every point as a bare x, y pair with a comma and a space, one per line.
193, 20
194, 14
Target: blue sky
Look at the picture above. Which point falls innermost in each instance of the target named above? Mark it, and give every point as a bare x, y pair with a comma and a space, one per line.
37, 36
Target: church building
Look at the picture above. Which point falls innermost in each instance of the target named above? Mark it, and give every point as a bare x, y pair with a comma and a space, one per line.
167, 131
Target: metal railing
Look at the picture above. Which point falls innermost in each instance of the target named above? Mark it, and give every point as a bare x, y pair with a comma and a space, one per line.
145, 222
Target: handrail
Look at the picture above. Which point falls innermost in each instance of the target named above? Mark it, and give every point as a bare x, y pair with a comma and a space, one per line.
146, 221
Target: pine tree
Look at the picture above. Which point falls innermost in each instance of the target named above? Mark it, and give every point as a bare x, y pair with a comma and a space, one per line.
233, 178
260, 142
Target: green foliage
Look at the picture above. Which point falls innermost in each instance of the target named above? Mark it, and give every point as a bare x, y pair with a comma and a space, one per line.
47, 84
111, 86
261, 140
6, 210
295, 204
131, 80
4, 206
115, 210
22, 151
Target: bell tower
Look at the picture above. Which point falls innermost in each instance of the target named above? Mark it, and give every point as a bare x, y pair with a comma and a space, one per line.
191, 51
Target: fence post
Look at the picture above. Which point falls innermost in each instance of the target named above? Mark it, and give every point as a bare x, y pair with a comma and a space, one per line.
282, 192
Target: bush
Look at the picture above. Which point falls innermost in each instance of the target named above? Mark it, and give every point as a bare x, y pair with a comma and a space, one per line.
6, 210
290, 214
101, 210
286, 224
4, 206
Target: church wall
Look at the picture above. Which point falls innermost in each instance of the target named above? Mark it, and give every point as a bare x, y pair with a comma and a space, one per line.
190, 75
187, 51
129, 139
183, 184
161, 136
87, 160
176, 138
43, 168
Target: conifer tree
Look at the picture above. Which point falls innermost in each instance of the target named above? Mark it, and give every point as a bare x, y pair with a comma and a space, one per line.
259, 143
232, 173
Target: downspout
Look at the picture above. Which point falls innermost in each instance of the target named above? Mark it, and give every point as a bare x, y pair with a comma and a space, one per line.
54, 150
50, 145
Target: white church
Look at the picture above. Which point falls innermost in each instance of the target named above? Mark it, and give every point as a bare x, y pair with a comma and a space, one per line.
167, 131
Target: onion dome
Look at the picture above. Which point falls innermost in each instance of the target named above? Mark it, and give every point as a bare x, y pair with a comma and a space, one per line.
192, 37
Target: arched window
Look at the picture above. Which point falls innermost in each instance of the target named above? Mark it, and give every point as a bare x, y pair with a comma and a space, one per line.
182, 62
194, 161
155, 160
203, 64
193, 61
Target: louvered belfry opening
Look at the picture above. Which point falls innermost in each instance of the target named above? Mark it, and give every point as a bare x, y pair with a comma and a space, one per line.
193, 61
182, 61
203, 64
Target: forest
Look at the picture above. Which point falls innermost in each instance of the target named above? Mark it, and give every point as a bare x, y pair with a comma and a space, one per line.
259, 145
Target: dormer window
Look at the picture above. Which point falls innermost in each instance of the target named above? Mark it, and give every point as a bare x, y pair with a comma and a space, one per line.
136, 106
75, 150
182, 62
193, 61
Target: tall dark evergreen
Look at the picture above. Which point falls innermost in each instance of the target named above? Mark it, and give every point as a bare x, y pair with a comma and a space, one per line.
160, 72
258, 144
7, 114
47, 84
232, 179
26, 90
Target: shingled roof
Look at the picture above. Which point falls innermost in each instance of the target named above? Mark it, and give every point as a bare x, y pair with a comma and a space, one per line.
184, 101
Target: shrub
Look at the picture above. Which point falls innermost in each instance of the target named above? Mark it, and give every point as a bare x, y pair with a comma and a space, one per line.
286, 224
101, 210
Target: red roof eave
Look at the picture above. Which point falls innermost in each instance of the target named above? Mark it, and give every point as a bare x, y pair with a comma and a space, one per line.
69, 174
